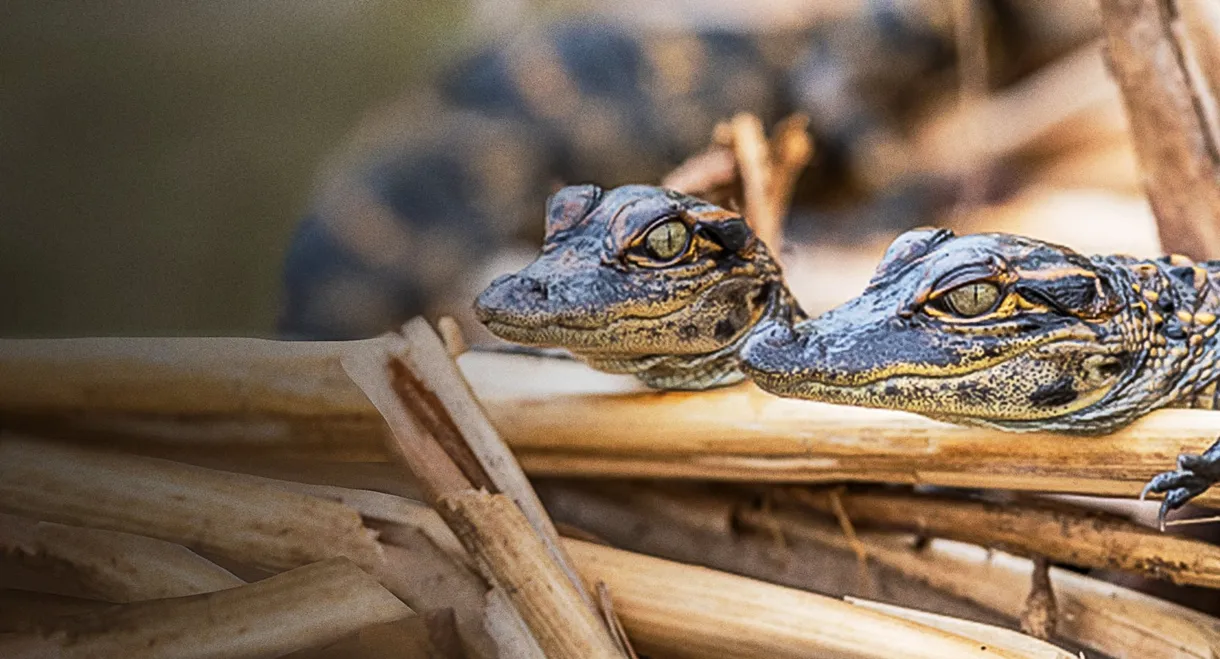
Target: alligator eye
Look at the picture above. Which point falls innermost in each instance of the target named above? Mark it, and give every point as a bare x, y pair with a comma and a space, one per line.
667, 240
974, 299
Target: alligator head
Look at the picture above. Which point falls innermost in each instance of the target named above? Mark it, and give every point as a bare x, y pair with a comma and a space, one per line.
991, 329
642, 280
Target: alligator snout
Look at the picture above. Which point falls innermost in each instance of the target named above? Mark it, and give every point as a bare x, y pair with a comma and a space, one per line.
773, 347
511, 298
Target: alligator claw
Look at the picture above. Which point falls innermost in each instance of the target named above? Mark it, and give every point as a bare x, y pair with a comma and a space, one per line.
1194, 475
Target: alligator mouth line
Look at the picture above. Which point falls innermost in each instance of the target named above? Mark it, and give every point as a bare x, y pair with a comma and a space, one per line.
805, 377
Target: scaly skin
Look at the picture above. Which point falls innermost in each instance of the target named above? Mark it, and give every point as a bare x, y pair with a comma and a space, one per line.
602, 292
1071, 344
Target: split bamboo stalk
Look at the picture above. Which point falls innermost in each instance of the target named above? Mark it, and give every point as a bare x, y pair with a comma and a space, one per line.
117, 567
425, 355
439, 433
683, 610
1061, 532
220, 513
429, 577
1110, 619
559, 416
504, 544
306, 607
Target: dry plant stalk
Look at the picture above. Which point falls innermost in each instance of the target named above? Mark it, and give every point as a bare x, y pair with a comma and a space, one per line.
116, 567
1067, 102
560, 417
440, 434
424, 354
769, 171
306, 607
451, 335
1093, 614
512, 554
791, 150
1173, 140
27, 610
251, 520
429, 577
971, 46
1040, 613
704, 174
1064, 533
993, 636
670, 608
288, 395
221, 513
1110, 619
428, 636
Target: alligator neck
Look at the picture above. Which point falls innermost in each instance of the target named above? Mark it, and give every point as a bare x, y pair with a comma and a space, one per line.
1182, 303
707, 370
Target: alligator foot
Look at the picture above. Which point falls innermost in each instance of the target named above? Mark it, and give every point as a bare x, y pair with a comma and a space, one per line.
1194, 475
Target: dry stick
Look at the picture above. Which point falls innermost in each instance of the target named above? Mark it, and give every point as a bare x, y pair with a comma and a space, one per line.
451, 334
754, 163
1201, 24
306, 607
1107, 618
791, 149
26, 610
704, 173
1063, 533
691, 593
972, 71
1040, 614
560, 417
246, 519
1095, 614
492, 527
117, 567
1176, 150
1072, 91
424, 354
992, 636
275, 397
502, 541
428, 636
428, 577
669, 607
224, 514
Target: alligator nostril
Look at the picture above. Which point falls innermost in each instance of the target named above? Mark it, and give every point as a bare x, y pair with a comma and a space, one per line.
534, 287
776, 334
499, 281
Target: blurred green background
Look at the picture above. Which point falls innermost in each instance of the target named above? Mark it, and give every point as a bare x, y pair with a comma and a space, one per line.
155, 154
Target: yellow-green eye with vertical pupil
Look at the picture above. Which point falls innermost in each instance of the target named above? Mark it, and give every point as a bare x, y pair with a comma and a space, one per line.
667, 240
973, 299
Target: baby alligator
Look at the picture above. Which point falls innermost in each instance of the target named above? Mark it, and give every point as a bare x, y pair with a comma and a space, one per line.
642, 280
1010, 332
